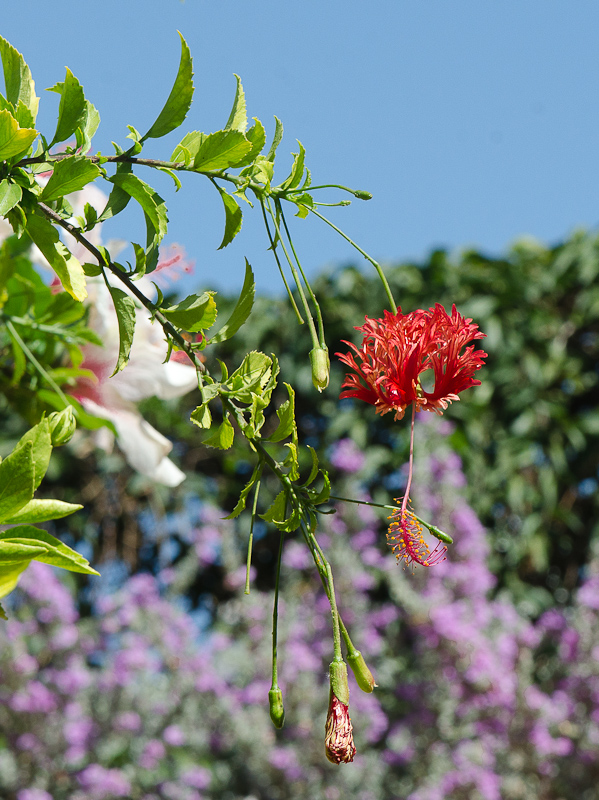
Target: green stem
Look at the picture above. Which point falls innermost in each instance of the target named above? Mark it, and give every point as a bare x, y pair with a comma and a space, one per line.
275, 614
308, 287
251, 540
374, 263
35, 362
276, 255
296, 277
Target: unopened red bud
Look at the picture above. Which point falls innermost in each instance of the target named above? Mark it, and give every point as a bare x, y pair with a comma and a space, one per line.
361, 672
339, 735
321, 365
275, 702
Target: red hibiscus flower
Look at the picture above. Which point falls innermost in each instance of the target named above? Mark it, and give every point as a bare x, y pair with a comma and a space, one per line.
399, 348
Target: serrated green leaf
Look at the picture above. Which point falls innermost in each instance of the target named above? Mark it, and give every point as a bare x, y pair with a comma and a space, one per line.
14, 140
233, 217
71, 110
125, 312
323, 495
41, 511
24, 116
11, 552
66, 266
17, 78
223, 437
286, 415
306, 200
251, 377
221, 150
201, 416
17, 474
57, 553
276, 512
195, 313
140, 260
242, 310
291, 460
10, 195
245, 492
276, 141
87, 128
41, 441
118, 199
70, 175
297, 170
188, 147
256, 136
179, 100
314, 471
152, 204
238, 120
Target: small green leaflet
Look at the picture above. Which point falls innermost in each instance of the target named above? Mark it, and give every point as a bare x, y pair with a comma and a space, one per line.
179, 100
16, 481
10, 195
238, 120
286, 415
251, 377
70, 175
87, 128
223, 436
221, 150
152, 204
41, 511
71, 110
118, 199
245, 491
233, 217
57, 553
17, 78
66, 266
195, 313
41, 440
14, 140
242, 309
276, 139
188, 147
201, 416
125, 312
297, 170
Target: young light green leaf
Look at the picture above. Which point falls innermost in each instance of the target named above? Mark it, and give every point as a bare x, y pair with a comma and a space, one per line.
257, 138
17, 78
221, 150
297, 170
40, 438
11, 552
70, 175
304, 202
87, 128
14, 140
66, 266
17, 473
291, 461
276, 140
57, 553
179, 100
242, 309
201, 416
71, 110
286, 415
42, 511
323, 495
223, 436
10, 195
314, 471
275, 513
238, 120
251, 377
245, 491
232, 217
24, 116
195, 313
153, 205
118, 198
10, 574
125, 312
188, 147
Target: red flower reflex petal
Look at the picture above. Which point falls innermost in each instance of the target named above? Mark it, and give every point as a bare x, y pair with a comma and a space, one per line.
397, 349
406, 539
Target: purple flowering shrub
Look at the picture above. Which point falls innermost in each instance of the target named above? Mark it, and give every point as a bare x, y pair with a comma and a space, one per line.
475, 702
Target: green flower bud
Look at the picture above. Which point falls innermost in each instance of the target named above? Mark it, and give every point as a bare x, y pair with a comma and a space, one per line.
275, 702
338, 677
62, 426
361, 672
362, 195
321, 365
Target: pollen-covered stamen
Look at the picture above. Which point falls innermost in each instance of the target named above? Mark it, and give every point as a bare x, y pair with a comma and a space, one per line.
406, 538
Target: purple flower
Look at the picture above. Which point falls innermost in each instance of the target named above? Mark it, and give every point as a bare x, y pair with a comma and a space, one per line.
346, 456
174, 736
196, 777
104, 784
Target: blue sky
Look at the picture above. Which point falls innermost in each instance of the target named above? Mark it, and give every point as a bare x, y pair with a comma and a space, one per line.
472, 123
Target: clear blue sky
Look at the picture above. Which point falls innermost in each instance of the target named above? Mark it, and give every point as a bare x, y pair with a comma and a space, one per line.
470, 122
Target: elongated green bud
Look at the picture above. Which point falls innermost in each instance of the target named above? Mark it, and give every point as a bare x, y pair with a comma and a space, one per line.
62, 425
321, 365
275, 702
362, 195
361, 672
339, 684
